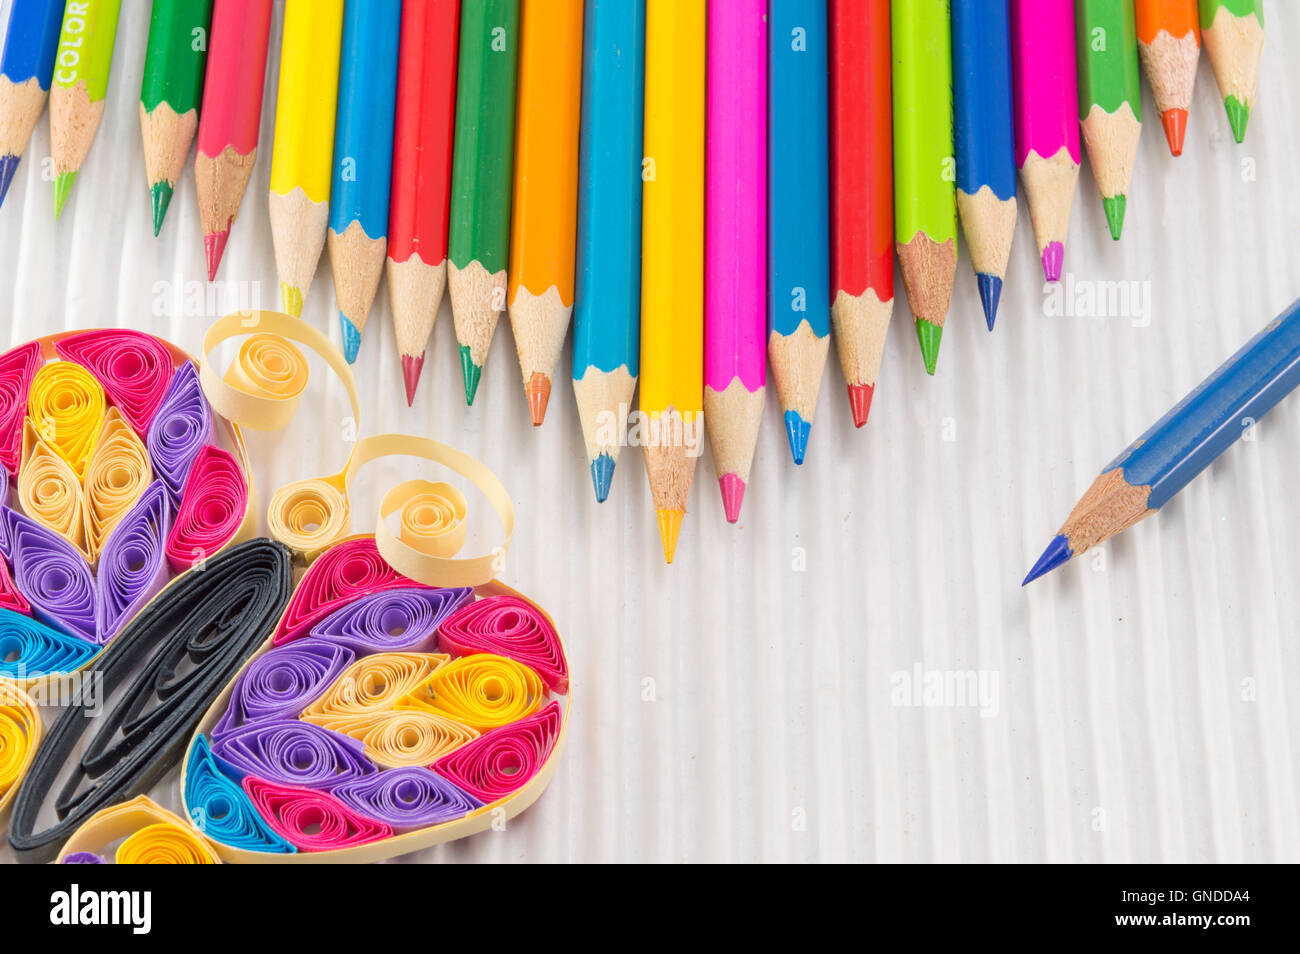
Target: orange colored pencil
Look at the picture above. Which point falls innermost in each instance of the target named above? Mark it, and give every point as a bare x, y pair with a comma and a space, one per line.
1169, 44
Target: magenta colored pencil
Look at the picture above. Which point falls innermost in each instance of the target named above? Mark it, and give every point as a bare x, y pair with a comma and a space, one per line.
1047, 120
735, 241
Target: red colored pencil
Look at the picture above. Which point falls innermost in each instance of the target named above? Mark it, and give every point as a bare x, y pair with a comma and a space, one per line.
862, 193
421, 192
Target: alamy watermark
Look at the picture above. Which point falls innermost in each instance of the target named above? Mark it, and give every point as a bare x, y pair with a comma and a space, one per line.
1090, 298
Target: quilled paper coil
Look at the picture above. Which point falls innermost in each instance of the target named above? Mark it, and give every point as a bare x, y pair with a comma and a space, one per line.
371, 684
212, 510
134, 369
312, 820
133, 565
510, 627
398, 619
407, 798
292, 753
481, 691
10, 596
179, 430
17, 368
406, 737
20, 734
50, 493
52, 575
117, 475
29, 649
221, 808
147, 834
500, 762
66, 404
282, 682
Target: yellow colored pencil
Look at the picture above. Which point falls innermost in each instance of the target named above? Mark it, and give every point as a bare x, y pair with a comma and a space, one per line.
672, 258
302, 159
544, 216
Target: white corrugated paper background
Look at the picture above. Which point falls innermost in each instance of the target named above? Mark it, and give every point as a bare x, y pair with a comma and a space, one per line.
744, 703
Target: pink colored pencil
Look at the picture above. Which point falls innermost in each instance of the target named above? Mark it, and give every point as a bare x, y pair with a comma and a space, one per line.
1047, 122
735, 241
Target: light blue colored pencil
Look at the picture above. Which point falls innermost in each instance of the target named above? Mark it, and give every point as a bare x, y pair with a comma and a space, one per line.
363, 158
607, 293
798, 212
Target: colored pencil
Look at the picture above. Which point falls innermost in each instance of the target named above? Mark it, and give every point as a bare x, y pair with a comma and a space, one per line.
170, 94
82, 63
363, 155
925, 201
1110, 99
1169, 44
984, 135
735, 241
26, 66
1047, 130
1184, 442
798, 211
607, 289
1234, 41
543, 218
862, 194
672, 257
303, 153
422, 161
230, 117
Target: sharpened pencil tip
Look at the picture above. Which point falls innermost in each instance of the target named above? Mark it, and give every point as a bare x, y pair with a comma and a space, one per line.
1053, 261
539, 393
860, 402
670, 526
214, 246
1114, 207
8, 166
1175, 123
1238, 116
62, 189
160, 196
1057, 552
602, 475
796, 432
929, 334
733, 495
471, 373
990, 287
291, 300
351, 338
411, 368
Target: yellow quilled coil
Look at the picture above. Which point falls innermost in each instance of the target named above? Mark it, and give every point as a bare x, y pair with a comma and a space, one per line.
20, 733
482, 691
164, 844
117, 476
372, 684
49, 491
406, 737
66, 405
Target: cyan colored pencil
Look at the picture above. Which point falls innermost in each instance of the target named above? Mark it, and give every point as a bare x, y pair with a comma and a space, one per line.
607, 293
26, 65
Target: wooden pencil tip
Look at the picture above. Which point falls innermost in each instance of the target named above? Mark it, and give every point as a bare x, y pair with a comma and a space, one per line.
8, 166
860, 396
1175, 123
214, 246
160, 196
1057, 552
733, 495
539, 393
62, 189
670, 526
291, 299
412, 366
602, 475
1238, 116
1053, 261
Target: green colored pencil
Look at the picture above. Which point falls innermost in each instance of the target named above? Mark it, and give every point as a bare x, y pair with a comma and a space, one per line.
1110, 98
171, 92
1233, 34
925, 181
81, 66
478, 243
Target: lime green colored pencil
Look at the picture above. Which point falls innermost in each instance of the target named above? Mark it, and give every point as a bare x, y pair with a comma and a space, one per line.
925, 189
1233, 34
1110, 98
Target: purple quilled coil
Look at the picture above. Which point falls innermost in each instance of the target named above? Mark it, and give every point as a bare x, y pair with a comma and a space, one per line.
283, 682
52, 575
293, 753
83, 858
179, 430
402, 619
407, 798
133, 564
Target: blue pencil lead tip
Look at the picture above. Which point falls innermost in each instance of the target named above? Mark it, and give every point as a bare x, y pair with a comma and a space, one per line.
990, 294
8, 166
351, 338
1057, 552
602, 475
797, 430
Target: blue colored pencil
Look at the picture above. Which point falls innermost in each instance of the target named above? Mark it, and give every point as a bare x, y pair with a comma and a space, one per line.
1184, 442
798, 212
363, 157
985, 140
607, 293
26, 66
